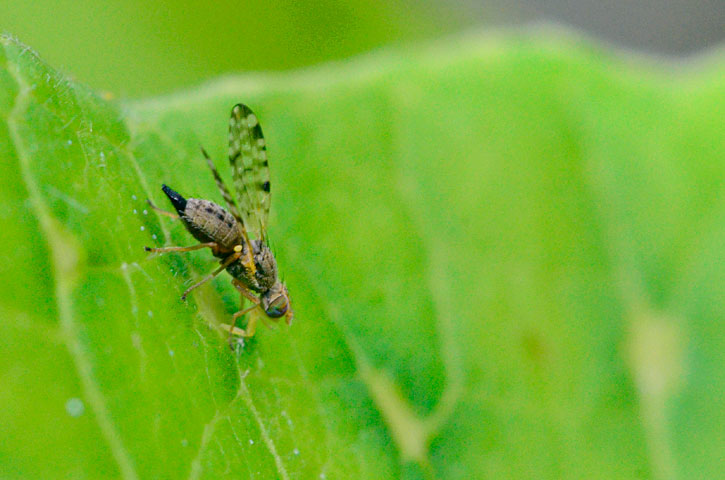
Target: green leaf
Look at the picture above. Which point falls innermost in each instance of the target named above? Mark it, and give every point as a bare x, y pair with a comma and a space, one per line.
504, 254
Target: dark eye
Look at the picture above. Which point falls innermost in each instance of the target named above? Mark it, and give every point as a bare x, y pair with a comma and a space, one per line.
277, 307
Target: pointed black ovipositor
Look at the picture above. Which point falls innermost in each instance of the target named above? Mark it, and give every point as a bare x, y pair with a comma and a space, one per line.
177, 200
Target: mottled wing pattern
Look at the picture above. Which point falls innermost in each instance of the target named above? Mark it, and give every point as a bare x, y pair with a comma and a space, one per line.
250, 171
228, 199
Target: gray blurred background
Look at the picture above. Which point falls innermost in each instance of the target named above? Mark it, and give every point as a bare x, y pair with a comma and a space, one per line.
144, 47
669, 27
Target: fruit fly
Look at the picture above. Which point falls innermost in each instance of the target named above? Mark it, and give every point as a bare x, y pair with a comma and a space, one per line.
237, 236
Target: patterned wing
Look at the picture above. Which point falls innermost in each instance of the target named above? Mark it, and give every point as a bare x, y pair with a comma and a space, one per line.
228, 199
250, 171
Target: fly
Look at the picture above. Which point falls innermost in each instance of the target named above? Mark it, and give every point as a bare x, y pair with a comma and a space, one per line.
237, 236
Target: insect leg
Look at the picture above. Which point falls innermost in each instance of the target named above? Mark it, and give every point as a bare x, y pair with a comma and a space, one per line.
249, 331
245, 291
252, 324
233, 330
231, 258
161, 210
238, 331
212, 245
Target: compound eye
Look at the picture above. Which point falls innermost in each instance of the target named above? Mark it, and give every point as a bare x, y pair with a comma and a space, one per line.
277, 307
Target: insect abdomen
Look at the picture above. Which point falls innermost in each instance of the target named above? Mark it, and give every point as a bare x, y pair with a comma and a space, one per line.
206, 221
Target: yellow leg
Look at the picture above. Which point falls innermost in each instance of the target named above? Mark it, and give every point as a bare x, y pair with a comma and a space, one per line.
228, 261
245, 291
234, 331
251, 327
161, 211
241, 332
212, 245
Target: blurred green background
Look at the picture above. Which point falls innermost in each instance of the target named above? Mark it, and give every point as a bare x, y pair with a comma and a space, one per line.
137, 48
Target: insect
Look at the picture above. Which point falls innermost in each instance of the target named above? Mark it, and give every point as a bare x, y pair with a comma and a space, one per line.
237, 236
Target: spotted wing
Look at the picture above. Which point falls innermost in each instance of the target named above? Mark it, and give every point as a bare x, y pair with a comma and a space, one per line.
248, 159
228, 199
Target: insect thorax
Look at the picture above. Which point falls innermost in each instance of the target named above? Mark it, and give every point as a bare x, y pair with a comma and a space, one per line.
265, 275
209, 222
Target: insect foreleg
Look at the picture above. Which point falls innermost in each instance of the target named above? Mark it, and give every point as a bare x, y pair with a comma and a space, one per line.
242, 333
161, 210
212, 245
239, 332
245, 291
242, 312
251, 327
231, 258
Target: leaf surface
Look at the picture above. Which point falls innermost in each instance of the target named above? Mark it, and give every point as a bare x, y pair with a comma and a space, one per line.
504, 255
